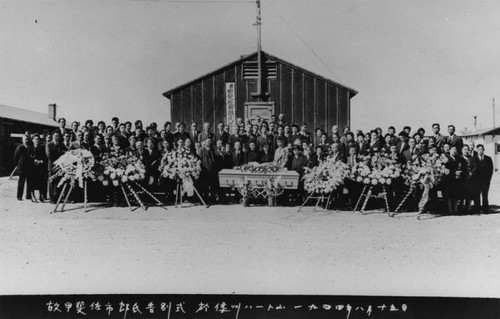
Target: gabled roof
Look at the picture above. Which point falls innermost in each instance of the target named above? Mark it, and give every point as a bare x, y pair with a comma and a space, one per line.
485, 131
250, 57
27, 116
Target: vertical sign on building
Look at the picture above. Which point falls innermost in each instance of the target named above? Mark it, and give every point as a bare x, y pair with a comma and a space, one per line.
230, 106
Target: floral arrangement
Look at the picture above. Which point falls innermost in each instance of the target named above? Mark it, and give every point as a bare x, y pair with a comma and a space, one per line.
74, 166
244, 186
117, 169
376, 170
181, 165
426, 170
326, 177
273, 186
254, 167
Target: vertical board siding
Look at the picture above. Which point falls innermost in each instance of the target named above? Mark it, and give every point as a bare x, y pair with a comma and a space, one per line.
286, 83
241, 90
208, 100
343, 103
320, 105
187, 116
197, 105
297, 97
332, 106
309, 97
220, 100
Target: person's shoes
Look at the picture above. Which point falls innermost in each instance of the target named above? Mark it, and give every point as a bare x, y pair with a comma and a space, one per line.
20, 199
41, 200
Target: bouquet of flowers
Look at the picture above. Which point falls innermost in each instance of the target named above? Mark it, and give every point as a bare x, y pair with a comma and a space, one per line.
376, 170
326, 177
427, 170
181, 165
74, 166
254, 167
117, 169
244, 186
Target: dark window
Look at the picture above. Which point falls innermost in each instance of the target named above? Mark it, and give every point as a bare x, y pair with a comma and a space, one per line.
251, 70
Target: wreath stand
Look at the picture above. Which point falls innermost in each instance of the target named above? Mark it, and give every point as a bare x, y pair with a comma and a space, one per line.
129, 191
407, 195
178, 194
70, 190
368, 194
319, 199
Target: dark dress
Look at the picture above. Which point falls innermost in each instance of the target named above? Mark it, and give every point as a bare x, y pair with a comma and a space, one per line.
451, 184
469, 181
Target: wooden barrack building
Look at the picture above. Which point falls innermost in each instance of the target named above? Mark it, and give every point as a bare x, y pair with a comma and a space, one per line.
239, 89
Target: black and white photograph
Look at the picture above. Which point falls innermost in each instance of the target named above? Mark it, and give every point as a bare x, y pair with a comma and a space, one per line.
249, 159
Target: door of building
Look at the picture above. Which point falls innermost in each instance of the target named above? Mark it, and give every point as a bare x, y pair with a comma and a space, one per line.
262, 109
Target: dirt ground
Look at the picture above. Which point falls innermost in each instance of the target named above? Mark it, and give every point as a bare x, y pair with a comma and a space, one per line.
254, 250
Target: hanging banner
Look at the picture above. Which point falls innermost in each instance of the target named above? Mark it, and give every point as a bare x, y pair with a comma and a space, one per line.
231, 106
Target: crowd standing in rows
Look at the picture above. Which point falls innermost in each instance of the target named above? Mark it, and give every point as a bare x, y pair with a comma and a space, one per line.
288, 145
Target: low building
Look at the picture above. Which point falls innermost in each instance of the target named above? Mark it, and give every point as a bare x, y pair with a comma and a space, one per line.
14, 123
490, 138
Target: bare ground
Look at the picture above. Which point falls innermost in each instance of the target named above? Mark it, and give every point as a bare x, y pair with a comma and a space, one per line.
254, 250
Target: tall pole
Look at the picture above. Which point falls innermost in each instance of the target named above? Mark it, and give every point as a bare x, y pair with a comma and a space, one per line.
258, 23
494, 129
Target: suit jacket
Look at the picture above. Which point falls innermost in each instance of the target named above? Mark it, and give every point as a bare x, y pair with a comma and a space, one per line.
455, 141
253, 156
364, 148
238, 159
401, 148
193, 135
375, 147
224, 137
204, 135
53, 152
207, 157
22, 158
351, 161
440, 139
408, 154
297, 164
484, 169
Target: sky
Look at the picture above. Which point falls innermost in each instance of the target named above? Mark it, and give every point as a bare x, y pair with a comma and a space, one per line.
413, 62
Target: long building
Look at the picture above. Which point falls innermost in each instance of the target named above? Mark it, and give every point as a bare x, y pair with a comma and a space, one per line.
238, 89
15, 122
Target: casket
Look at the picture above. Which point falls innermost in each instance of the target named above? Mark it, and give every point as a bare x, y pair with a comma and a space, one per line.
230, 177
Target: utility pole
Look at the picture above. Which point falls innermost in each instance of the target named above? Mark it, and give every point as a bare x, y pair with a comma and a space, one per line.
258, 24
494, 129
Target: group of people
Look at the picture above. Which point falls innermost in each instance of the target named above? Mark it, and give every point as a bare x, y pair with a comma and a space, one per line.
287, 145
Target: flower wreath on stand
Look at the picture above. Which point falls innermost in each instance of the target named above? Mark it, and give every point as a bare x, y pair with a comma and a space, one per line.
376, 170
328, 176
181, 166
425, 172
118, 169
74, 166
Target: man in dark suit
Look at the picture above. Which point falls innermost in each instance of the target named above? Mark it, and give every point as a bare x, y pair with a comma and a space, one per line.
403, 142
411, 154
206, 133
297, 162
62, 126
24, 168
193, 133
440, 138
181, 134
53, 150
221, 135
238, 157
484, 174
209, 177
362, 145
453, 139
